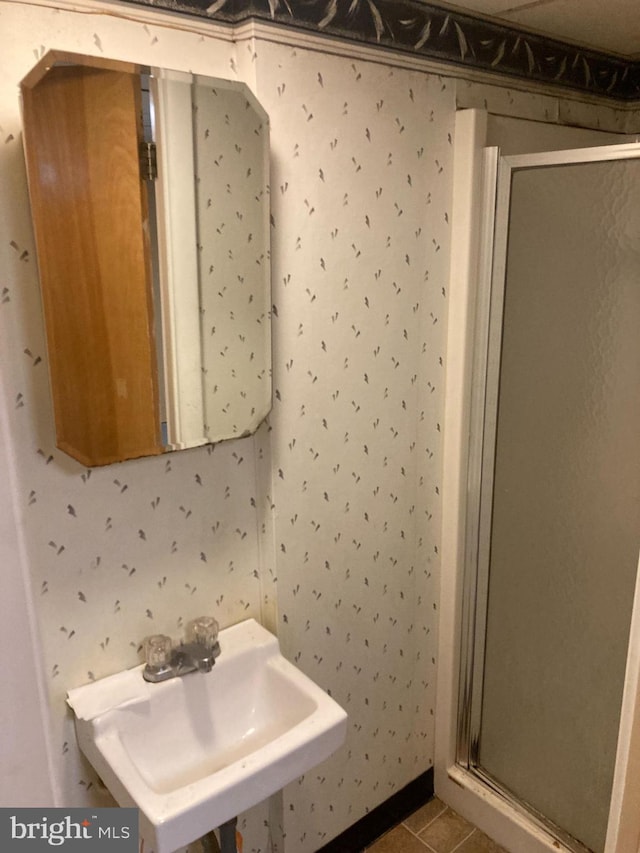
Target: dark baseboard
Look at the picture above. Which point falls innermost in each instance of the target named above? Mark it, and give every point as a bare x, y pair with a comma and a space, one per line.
384, 817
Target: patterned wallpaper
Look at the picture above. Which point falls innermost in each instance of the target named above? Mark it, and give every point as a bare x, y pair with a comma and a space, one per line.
325, 524
232, 199
360, 200
123, 551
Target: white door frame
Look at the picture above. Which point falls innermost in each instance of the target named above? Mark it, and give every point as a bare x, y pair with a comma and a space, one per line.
26, 752
470, 261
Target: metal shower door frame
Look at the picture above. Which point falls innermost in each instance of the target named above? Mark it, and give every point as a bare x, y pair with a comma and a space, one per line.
498, 172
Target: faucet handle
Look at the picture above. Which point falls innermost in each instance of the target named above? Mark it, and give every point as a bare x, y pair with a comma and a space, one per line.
157, 651
204, 630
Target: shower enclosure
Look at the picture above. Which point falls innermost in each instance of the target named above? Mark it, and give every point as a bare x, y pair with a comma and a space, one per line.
548, 519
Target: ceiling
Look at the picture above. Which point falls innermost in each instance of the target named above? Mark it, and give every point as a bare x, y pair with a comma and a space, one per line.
612, 26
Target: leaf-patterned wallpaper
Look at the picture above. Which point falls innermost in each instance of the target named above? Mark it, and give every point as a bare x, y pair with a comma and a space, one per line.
325, 524
119, 552
360, 201
232, 201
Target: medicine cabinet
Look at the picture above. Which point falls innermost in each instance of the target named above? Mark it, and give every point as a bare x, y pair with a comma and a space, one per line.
150, 202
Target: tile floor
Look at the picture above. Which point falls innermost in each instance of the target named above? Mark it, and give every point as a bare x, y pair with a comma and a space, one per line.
435, 828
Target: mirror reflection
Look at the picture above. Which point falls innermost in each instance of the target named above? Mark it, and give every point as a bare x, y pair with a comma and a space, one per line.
150, 201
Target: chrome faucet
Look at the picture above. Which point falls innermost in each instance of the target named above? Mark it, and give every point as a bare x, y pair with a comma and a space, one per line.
198, 654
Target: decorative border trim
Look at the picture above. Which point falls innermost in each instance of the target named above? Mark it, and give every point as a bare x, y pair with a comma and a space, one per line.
425, 30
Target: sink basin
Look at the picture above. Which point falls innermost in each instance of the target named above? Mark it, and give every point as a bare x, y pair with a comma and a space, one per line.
193, 752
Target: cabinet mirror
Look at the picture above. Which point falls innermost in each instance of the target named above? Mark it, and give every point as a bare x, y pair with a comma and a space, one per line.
150, 202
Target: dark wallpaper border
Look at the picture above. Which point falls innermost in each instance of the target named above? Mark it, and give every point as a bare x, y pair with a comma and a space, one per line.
429, 31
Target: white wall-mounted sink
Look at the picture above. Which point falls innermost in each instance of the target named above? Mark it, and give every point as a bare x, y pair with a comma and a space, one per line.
193, 752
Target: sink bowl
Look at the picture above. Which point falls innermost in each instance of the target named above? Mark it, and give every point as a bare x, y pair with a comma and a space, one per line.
193, 752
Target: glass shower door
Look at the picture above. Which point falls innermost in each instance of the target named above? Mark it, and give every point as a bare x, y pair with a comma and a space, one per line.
559, 521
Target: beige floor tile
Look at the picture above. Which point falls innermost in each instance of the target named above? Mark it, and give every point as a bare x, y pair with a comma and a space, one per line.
424, 815
478, 842
398, 840
446, 831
